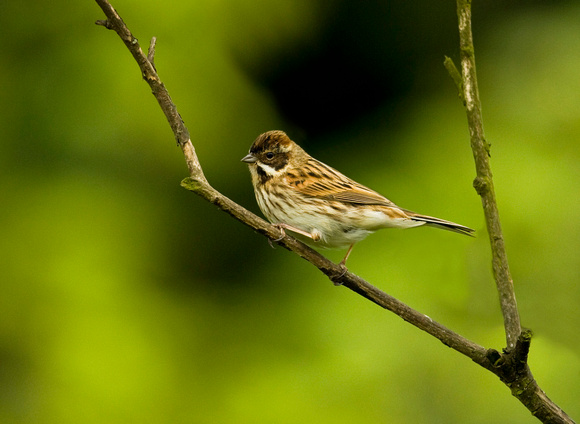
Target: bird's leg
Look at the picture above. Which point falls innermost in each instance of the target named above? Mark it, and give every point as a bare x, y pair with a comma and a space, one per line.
314, 235
278, 239
342, 264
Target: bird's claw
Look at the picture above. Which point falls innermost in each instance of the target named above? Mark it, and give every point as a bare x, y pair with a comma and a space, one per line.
270, 241
344, 271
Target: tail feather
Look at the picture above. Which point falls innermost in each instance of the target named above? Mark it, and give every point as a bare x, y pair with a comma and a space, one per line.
443, 224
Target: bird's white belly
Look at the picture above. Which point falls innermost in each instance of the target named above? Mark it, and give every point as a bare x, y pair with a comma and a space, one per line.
336, 229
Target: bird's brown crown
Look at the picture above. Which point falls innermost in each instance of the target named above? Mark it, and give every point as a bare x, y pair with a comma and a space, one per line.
275, 141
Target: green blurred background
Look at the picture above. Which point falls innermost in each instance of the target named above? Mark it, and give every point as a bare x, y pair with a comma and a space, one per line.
125, 298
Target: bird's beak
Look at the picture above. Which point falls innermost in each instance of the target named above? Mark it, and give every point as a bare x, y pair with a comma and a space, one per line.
249, 158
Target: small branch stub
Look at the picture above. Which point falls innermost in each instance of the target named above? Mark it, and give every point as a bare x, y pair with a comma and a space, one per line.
481, 185
455, 76
104, 22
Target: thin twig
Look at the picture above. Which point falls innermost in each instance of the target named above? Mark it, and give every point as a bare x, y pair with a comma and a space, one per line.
151, 52
114, 22
515, 372
484, 180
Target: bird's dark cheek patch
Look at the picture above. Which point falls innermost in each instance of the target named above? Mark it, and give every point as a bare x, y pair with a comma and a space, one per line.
279, 161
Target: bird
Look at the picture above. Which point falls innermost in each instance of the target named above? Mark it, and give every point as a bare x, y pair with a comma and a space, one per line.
319, 205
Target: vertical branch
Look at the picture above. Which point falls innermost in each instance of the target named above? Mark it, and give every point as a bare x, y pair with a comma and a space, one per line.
483, 182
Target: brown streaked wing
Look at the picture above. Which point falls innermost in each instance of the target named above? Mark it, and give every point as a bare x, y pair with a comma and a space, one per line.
319, 180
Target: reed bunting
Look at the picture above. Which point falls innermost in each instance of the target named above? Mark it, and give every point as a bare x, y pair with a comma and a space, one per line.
321, 206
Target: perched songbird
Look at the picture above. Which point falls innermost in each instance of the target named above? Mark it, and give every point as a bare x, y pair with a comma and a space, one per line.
323, 207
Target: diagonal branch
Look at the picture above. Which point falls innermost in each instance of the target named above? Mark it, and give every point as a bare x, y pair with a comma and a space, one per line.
336, 274
198, 184
114, 22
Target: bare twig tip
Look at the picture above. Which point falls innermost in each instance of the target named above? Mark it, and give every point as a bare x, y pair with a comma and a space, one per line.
151, 52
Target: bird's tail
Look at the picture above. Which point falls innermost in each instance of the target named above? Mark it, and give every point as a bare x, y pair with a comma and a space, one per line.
441, 223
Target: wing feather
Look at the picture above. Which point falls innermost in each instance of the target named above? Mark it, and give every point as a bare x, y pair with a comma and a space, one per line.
316, 179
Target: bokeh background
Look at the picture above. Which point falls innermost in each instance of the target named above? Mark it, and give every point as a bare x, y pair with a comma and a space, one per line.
125, 298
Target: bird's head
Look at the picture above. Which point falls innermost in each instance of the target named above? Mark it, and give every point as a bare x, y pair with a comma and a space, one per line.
271, 154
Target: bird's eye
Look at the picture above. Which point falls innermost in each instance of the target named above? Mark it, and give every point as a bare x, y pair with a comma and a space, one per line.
269, 155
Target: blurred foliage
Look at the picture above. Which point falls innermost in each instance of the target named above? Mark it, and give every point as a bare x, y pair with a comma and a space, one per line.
127, 299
